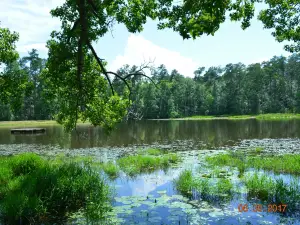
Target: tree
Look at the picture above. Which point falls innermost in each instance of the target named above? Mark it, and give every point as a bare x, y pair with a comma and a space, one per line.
73, 69
14, 83
8, 41
283, 16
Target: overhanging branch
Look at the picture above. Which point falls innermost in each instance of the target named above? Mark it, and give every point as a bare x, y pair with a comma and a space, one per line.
121, 78
101, 66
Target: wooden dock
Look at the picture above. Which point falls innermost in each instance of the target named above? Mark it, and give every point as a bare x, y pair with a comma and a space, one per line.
28, 130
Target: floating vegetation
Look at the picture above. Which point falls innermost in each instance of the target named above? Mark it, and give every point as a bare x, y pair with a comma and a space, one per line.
147, 210
38, 190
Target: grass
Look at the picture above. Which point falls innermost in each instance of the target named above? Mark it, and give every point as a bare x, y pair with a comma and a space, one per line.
136, 164
230, 117
279, 164
233, 160
187, 184
278, 116
288, 163
35, 190
153, 151
262, 187
268, 116
258, 150
111, 169
30, 123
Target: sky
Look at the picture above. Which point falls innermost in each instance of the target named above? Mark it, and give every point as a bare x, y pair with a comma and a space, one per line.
32, 20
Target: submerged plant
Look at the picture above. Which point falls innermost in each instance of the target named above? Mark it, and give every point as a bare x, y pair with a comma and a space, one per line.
37, 190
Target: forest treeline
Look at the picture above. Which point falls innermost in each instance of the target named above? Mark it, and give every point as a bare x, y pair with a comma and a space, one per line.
236, 89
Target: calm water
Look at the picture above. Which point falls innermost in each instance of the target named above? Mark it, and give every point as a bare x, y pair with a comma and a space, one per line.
152, 198
211, 134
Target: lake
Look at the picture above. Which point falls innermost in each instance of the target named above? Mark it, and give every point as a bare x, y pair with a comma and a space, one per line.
211, 134
152, 198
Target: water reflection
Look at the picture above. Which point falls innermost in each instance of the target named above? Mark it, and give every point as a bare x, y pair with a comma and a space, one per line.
211, 133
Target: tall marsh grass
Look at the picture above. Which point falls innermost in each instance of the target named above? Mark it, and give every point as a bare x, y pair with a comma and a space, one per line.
34, 190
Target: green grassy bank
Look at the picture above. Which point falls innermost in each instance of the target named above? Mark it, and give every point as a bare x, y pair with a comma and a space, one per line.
269, 116
30, 123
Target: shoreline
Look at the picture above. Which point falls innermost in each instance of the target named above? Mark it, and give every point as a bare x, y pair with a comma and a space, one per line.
270, 116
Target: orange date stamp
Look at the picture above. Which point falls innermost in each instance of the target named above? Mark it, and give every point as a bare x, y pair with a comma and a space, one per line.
271, 208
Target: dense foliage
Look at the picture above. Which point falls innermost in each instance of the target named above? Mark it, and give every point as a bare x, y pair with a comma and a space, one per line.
35, 190
79, 87
270, 87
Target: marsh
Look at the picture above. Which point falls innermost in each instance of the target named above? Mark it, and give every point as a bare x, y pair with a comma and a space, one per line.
184, 172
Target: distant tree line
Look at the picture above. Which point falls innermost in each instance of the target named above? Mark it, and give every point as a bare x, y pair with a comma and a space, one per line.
269, 87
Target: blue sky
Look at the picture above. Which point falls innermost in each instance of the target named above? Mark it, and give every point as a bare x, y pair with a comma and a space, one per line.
31, 18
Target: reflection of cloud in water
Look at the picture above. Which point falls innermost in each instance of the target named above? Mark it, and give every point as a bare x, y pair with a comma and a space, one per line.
144, 184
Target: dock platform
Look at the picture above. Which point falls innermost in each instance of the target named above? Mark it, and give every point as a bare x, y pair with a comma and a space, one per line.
28, 130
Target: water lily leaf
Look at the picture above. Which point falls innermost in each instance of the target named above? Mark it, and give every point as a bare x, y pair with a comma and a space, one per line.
162, 192
156, 219
216, 214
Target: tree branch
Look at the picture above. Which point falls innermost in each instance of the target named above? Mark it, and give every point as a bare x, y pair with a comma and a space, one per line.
75, 25
123, 79
101, 66
140, 74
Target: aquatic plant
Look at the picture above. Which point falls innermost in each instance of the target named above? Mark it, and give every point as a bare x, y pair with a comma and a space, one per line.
258, 150
153, 151
173, 158
260, 186
136, 164
264, 187
234, 159
111, 169
223, 187
185, 182
289, 163
38, 190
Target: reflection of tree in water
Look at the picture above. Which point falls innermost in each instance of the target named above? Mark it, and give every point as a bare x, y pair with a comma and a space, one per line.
213, 134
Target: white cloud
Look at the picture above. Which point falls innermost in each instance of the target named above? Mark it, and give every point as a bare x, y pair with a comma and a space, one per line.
41, 47
139, 50
31, 19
